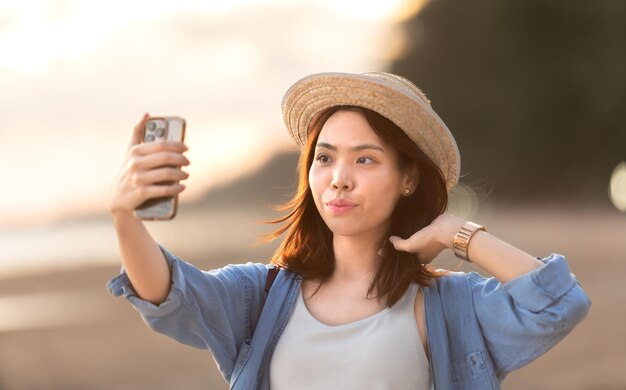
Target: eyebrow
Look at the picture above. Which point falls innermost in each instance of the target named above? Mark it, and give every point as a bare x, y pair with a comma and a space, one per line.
358, 147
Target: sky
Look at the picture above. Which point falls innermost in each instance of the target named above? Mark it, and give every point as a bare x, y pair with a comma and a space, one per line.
76, 76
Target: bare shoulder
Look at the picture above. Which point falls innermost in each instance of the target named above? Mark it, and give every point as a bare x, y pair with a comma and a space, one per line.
420, 318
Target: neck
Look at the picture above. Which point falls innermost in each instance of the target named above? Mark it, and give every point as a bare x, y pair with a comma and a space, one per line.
357, 257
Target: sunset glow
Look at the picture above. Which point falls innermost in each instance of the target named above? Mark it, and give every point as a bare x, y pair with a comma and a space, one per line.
76, 76
391, 10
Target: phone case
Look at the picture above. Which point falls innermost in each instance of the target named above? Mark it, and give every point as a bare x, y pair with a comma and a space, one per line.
169, 128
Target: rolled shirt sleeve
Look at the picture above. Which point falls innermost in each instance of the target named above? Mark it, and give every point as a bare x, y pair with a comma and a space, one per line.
525, 317
215, 310
122, 286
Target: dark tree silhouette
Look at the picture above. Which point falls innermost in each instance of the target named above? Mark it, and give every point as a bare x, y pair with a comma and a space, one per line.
534, 91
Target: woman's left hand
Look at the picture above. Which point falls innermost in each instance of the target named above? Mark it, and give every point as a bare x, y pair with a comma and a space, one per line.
429, 241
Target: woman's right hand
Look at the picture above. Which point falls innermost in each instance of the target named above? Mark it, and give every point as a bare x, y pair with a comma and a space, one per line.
145, 165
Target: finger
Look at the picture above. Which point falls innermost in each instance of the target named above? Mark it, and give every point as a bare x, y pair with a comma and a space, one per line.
147, 148
160, 175
138, 130
424, 256
159, 191
160, 159
400, 244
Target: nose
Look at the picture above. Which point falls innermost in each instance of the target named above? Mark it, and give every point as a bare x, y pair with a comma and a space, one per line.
342, 179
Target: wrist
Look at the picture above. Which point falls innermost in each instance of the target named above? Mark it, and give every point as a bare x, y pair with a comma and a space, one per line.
122, 217
449, 228
463, 237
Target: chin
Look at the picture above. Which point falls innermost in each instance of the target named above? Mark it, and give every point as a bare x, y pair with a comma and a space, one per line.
348, 228
341, 227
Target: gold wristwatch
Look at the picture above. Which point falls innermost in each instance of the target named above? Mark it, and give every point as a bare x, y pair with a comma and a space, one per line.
463, 237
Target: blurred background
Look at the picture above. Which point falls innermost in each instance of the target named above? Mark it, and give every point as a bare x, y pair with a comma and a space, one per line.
532, 90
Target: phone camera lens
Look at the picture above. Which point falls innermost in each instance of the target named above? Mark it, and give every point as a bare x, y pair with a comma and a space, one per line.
160, 131
150, 138
151, 125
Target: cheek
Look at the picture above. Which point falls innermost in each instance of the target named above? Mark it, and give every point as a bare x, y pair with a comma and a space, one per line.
316, 184
386, 200
385, 193
313, 180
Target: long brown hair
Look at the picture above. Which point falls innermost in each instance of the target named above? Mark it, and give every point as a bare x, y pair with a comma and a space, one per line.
307, 248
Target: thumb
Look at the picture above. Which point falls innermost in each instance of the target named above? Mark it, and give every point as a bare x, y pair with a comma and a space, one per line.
138, 130
399, 243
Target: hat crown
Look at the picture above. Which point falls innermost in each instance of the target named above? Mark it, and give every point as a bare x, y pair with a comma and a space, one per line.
401, 82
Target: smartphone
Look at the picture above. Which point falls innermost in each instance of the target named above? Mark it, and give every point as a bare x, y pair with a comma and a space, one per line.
167, 128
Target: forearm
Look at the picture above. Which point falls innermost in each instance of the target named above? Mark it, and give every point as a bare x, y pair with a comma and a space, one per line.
143, 260
501, 259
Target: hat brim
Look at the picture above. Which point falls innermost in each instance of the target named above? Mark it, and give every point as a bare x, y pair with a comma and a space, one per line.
312, 95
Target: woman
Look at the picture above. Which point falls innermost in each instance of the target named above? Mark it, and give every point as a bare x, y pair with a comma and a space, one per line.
355, 305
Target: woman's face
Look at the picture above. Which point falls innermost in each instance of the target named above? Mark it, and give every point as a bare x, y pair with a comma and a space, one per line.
355, 179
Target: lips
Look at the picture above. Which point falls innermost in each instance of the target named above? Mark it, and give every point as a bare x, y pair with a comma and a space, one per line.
340, 206
340, 203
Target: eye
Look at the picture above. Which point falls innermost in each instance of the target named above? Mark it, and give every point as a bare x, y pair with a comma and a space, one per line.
365, 160
322, 158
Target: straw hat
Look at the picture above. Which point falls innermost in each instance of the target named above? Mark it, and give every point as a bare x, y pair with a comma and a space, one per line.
392, 96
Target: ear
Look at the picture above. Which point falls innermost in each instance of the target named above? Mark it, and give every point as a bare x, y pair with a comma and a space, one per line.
411, 177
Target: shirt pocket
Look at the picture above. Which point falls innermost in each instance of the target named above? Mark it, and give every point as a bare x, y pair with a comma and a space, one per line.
470, 371
242, 358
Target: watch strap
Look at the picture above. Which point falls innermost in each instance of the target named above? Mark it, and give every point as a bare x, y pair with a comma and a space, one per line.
463, 237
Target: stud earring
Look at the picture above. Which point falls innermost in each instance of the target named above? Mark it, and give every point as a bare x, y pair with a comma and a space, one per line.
407, 191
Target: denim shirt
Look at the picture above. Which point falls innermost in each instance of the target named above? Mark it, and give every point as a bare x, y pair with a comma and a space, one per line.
478, 329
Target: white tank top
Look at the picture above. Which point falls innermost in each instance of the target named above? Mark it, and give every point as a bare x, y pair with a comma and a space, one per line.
382, 351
